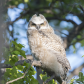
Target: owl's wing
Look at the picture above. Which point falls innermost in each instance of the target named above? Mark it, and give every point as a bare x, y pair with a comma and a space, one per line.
54, 42
64, 61
60, 51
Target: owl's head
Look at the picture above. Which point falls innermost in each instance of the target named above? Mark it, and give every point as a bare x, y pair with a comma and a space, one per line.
38, 22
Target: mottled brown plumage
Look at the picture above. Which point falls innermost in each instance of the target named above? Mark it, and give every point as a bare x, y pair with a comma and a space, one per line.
47, 47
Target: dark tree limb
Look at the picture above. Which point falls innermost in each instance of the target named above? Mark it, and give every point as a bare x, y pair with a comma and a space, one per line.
73, 34
17, 63
81, 8
62, 19
52, 77
28, 59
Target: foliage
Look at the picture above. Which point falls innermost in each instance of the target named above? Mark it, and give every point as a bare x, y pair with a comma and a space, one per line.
44, 78
19, 70
81, 78
56, 11
83, 56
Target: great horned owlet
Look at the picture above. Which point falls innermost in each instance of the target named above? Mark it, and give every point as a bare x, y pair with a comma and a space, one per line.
46, 46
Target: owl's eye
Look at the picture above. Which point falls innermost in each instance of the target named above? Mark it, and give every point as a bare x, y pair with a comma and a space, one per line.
33, 24
42, 24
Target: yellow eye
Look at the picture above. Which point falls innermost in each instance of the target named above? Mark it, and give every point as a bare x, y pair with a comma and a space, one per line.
42, 24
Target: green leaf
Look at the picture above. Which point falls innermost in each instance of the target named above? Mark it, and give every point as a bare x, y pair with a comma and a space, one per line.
20, 67
17, 48
79, 36
22, 53
26, 1
16, 52
34, 81
80, 74
74, 49
8, 72
72, 80
20, 45
83, 56
13, 59
14, 42
81, 78
14, 70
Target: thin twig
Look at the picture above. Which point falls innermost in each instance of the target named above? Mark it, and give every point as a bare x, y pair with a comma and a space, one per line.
81, 8
19, 77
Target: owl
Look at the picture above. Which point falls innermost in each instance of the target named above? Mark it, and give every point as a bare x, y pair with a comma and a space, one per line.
47, 47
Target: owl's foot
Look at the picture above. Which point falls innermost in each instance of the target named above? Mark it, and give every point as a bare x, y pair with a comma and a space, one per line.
36, 63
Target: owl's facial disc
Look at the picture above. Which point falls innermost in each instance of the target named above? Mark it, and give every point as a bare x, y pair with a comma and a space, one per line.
38, 22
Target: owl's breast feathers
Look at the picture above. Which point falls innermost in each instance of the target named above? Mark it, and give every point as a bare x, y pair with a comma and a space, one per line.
47, 46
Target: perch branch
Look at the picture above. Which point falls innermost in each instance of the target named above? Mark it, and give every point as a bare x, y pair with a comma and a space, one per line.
17, 63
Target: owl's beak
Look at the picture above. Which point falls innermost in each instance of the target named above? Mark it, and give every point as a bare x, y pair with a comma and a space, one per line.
38, 26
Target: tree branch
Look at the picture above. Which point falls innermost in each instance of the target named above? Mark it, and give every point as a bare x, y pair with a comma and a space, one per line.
27, 57
76, 71
62, 19
17, 63
33, 63
47, 10
81, 8
72, 34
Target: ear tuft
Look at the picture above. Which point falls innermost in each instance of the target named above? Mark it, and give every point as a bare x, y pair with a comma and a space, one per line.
41, 16
34, 16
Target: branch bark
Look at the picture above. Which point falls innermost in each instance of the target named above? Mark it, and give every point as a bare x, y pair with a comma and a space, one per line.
40, 65
75, 71
17, 63
73, 34
62, 19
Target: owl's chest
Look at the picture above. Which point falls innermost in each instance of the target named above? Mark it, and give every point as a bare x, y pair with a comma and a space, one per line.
37, 40
41, 41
